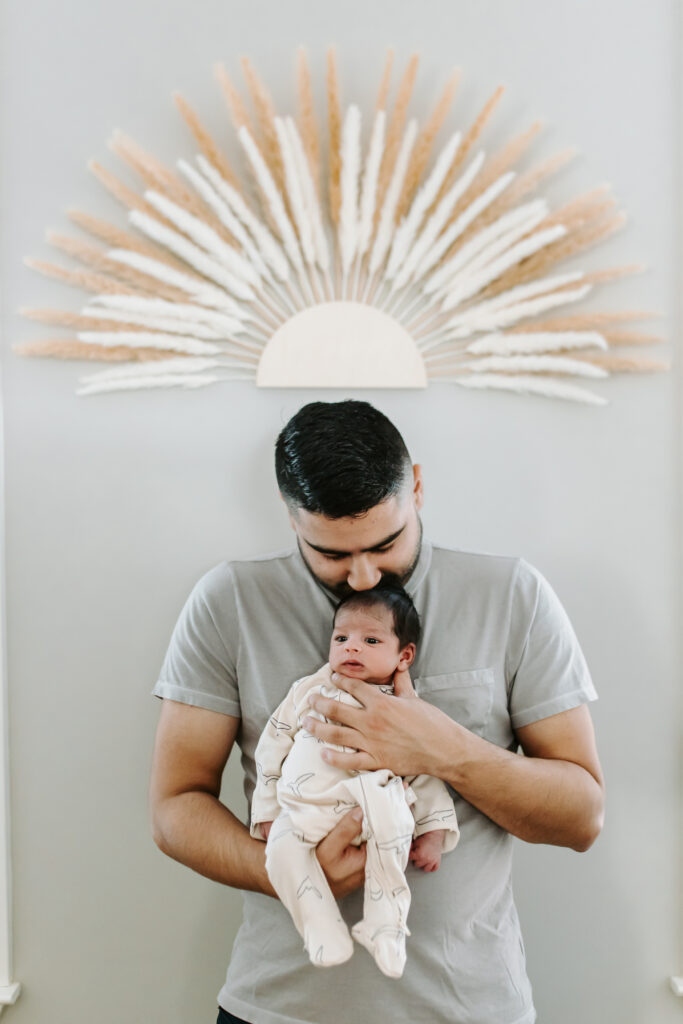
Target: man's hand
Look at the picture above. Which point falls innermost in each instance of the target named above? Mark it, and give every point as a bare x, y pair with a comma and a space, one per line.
387, 731
343, 864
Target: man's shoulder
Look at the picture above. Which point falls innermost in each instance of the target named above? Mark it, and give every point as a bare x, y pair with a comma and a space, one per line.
234, 571
482, 571
482, 564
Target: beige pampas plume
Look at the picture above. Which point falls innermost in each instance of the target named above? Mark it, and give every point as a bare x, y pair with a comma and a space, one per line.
334, 117
396, 244
383, 92
116, 238
424, 145
206, 142
395, 129
64, 348
308, 125
234, 101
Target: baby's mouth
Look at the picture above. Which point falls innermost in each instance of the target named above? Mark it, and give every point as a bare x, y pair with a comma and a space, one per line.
353, 664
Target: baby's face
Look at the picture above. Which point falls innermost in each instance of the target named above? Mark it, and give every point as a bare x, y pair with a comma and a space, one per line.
364, 645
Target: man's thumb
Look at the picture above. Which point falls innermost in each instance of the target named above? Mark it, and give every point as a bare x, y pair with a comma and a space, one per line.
349, 827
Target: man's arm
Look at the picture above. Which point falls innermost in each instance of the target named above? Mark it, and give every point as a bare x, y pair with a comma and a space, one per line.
555, 794
191, 825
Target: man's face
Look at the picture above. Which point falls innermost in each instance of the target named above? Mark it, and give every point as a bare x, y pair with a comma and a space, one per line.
353, 553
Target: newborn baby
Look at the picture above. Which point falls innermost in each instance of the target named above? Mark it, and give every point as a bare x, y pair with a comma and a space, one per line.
299, 797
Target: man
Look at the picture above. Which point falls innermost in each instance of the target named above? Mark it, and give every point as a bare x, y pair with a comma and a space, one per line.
499, 668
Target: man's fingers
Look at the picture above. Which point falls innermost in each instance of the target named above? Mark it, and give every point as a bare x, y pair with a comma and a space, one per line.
356, 687
334, 710
348, 828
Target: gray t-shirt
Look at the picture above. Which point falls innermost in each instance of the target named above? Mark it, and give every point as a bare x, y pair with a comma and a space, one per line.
497, 652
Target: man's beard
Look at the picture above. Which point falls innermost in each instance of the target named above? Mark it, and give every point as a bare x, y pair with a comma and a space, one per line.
343, 589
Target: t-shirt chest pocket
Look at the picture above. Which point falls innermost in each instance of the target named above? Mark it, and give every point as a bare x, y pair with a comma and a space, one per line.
467, 697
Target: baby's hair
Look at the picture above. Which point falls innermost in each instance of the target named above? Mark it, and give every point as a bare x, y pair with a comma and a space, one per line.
388, 593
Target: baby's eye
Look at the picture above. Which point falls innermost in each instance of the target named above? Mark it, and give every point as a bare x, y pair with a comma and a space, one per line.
372, 640
340, 638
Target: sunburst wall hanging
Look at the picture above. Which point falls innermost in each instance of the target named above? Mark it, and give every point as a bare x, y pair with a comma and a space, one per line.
389, 264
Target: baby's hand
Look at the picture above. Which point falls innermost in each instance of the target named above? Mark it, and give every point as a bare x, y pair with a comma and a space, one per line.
425, 851
265, 827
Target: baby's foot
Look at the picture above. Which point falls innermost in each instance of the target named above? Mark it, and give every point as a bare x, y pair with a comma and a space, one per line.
426, 850
329, 946
387, 945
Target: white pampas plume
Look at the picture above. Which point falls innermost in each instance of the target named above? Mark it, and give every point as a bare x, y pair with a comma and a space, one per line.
156, 368
269, 248
310, 193
518, 294
368, 198
142, 339
200, 291
171, 380
225, 215
437, 221
535, 364
488, 242
295, 192
185, 312
536, 341
545, 386
191, 254
426, 195
385, 229
170, 325
273, 198
512, 314
469, 284
350, 167
203, 236
445, 241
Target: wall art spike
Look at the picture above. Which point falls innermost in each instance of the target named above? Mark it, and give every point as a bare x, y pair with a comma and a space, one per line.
363, 257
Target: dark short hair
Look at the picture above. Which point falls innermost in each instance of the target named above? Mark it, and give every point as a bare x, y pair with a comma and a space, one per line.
340, 459
389, 594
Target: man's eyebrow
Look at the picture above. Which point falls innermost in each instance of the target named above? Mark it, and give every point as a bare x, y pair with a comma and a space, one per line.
379, 544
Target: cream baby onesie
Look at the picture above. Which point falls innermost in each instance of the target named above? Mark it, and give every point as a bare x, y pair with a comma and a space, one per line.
305, 798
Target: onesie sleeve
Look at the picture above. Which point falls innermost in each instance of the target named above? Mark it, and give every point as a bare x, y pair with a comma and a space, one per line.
433, 809
272, 749
546, 671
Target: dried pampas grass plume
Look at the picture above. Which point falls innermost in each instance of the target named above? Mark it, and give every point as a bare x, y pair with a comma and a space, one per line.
373, 252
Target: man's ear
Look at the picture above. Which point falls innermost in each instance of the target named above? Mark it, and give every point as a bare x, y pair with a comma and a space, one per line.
418, 487
290, 512
406, 657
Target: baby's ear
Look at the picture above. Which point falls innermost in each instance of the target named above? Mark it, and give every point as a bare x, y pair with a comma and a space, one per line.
406, 657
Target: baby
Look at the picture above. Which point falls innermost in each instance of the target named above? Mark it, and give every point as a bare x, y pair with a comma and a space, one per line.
299, 797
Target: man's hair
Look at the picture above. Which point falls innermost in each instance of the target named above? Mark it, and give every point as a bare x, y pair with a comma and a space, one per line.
389, 594
340, 459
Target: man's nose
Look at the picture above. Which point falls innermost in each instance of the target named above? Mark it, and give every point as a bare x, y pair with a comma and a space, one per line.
363, 575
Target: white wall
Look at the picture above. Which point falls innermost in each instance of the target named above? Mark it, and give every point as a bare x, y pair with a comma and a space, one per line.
116, 505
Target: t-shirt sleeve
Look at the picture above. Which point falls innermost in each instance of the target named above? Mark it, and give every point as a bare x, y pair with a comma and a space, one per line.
545, 667
200, 663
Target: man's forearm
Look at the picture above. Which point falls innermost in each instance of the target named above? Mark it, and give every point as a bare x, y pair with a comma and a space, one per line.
196, 829
537, 799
